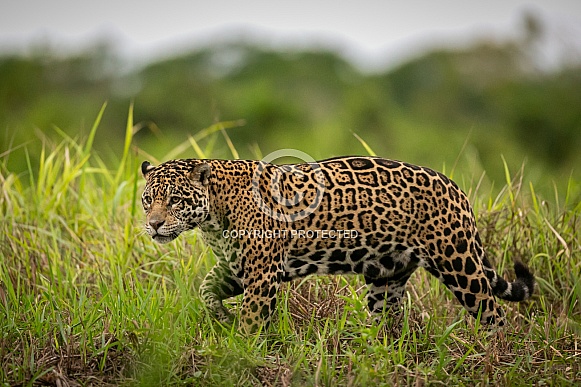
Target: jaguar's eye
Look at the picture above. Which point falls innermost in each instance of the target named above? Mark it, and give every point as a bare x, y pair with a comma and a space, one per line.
174, 200
147, 200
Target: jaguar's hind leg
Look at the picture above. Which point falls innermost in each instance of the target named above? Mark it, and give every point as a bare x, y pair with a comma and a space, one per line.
386, 293
376, 293
465, 277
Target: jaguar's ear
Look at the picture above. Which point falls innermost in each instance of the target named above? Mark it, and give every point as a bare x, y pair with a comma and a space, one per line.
201, 174
146, 167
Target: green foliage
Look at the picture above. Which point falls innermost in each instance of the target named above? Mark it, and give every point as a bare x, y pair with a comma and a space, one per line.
86, 297
486, 100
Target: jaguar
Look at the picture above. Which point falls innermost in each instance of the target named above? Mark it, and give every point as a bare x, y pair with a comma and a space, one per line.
267, 224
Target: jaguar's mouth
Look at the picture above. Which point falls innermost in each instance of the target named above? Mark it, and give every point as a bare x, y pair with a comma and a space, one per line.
159, 238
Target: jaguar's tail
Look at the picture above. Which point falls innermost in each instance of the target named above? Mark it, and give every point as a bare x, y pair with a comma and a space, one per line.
519, 290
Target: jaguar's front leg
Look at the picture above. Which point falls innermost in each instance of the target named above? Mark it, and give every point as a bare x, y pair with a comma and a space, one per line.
219, 284
262, 278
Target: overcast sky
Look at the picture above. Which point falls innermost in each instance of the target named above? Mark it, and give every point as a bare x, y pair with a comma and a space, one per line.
369, 31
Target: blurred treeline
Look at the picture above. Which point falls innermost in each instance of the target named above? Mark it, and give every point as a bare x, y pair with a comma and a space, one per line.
459, 110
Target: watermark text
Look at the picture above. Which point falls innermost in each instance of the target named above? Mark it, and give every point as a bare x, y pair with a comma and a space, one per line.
284, 234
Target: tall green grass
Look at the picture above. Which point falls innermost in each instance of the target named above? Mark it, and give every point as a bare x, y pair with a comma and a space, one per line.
87, 299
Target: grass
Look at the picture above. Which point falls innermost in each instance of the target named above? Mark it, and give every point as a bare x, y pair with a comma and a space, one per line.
87, 299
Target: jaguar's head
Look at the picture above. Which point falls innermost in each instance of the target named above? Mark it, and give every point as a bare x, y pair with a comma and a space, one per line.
175, 197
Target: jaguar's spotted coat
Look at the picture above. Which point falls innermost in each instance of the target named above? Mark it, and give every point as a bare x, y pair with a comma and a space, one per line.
401, 217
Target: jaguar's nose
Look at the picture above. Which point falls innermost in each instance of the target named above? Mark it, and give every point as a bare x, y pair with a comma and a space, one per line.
156, 223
